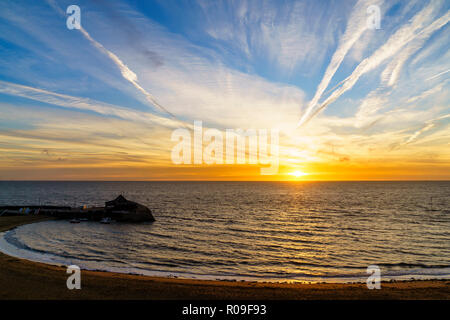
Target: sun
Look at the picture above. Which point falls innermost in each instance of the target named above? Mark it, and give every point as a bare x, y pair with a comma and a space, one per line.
298, 174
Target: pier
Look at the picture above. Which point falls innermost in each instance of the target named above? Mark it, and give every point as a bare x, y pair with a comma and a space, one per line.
119, 209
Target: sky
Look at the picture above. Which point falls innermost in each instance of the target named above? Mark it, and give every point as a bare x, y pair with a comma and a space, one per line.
102, 102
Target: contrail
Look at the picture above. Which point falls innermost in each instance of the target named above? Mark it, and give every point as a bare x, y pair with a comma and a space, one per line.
354, 29
439, 74
124, 70
419, 132
395, 42
429, 125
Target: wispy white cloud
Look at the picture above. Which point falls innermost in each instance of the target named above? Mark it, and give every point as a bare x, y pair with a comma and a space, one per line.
290, 37
67, 101
429, 92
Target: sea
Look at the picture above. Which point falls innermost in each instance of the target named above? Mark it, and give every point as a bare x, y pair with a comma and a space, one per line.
254, 231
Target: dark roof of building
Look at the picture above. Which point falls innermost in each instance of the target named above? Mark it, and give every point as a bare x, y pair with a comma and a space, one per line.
128, 210
120, 201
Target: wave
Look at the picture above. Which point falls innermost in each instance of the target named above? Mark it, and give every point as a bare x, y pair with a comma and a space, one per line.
11, 245
413, 265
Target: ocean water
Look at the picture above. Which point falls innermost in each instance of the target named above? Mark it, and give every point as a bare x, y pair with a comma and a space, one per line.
262, 231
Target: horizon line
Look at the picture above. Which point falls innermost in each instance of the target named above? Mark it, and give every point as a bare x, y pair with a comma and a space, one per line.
171, 180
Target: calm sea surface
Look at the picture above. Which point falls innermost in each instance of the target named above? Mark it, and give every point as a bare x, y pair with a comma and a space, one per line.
307, 231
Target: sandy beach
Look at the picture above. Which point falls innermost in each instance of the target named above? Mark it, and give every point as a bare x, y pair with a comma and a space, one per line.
21, 279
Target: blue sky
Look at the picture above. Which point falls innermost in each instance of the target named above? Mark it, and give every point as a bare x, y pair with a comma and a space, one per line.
310, 68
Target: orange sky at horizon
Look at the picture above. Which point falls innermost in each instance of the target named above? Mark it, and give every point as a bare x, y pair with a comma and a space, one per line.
312, 172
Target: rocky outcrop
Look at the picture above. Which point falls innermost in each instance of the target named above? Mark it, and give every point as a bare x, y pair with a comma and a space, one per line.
121, 209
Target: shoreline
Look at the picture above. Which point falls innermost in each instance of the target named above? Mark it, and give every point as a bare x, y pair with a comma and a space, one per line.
24, 279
